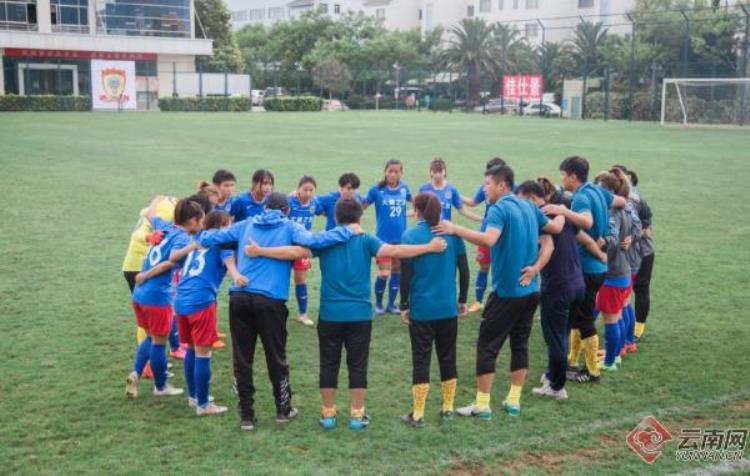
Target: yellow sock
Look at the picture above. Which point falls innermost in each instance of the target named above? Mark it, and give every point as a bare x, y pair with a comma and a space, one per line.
575, 347
483, 400
329, 412
357, 412
419, 393
639, 328
514, 395
141, 335
449, 394
591, 348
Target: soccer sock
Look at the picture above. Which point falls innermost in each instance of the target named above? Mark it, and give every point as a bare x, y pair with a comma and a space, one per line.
141, 335
174, 337
483, 400
158, 359
328, 412
141, 356
611, 340
480, 286
449, 394
189, 367
395, 284
357, 412
575, 347
300, 290
622, 329
202, 379
630, 336
591, 349
639, 328
419, 393
380, 283
514, 395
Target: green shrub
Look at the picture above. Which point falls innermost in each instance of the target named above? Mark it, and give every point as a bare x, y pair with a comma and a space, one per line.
442, 104
292, 103
12, 102
204, 104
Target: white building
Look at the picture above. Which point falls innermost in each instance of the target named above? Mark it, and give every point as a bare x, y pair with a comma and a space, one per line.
268, 12
47, 46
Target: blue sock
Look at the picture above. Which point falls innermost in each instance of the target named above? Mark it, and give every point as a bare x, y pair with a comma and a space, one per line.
189, 367
393, 289
481, 285
300, 290
623, 333
174, 337
202, 379
612, 339
159, 365
630, 338
380, 283
141, 356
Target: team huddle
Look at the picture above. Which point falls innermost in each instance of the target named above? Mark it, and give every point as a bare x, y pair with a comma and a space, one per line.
589, 242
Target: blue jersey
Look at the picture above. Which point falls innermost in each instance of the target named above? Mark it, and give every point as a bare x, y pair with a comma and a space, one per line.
596, 201
480, 197
225, 207
157, 291
327, 205
304, 214
448, 195
200, 279
244, 206
390, 210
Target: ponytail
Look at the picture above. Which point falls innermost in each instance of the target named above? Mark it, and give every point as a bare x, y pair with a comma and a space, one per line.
429, 207
186, 210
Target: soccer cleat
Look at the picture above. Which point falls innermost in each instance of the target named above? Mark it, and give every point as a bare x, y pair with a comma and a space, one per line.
193, 402
446, 415
284, 418
379, 309
623, 352
618, 360
608, 368
511, 410
168, 391
210, 409
147, 373
328, 423
571, 373
409, 420
178, 354
356, 424
221, 335
218, 345
131, 386
393, 310
473, 411
547, 391
631, 348
544, 380
476, 307
585, 377
247, 424
303, 319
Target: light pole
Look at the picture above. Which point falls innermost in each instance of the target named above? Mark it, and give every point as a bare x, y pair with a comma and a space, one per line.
397, 94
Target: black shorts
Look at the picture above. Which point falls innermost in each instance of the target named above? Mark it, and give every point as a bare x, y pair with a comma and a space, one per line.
130, 278
355, 337
443, 333
583, 314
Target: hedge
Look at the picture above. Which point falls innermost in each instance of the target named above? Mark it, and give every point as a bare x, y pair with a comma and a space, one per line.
12, 102
292, 103
205, 104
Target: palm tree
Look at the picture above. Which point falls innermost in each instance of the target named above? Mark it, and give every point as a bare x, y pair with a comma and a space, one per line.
513, 53
472, 48
552, 59
587, 43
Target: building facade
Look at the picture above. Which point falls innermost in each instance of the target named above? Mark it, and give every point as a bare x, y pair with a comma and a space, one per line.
268, 12
51, 46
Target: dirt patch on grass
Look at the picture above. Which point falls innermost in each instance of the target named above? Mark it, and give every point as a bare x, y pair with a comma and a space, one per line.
741, 407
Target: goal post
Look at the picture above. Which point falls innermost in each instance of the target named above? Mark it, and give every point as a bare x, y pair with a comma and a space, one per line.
705, 100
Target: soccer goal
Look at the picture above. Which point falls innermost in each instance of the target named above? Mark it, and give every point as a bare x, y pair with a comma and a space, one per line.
705, 101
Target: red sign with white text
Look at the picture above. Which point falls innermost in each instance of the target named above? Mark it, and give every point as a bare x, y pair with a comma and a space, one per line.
71, 54
523, 86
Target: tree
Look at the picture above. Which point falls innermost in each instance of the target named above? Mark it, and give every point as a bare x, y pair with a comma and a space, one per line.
214, 19
333, 75
588, 40
553, 61
472, 48
258, 50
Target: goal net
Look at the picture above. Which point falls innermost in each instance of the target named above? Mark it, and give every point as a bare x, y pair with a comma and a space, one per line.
705, 101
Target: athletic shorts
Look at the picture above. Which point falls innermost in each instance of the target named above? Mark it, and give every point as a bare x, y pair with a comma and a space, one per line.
630, 289
155, 320
385, 260
483, 255
303, 264
611, 300
198, 328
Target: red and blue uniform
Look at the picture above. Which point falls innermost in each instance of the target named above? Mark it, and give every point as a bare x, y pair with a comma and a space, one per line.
390, 210
327, 205
304, 214
448, 195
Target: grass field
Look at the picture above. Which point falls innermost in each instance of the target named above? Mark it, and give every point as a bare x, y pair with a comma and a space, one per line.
72, 186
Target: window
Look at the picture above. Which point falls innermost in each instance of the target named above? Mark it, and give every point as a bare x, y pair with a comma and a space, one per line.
500, 5
485, 6
532, 4
323, 7
380, 13
240, 15
276, 13
170, 18
531, 30
69, 15
585, 3
257, 14
515, 4
420, 14
18, 15
337, 9
470, 11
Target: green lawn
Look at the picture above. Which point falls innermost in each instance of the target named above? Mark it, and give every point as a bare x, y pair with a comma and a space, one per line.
72, 186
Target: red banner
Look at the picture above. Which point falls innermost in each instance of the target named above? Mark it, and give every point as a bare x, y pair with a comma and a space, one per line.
69, 54
523, 86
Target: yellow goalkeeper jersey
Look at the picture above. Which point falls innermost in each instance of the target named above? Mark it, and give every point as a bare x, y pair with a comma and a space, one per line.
138, 246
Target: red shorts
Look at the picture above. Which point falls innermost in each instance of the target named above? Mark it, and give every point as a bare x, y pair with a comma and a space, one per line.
156, 320
385, 260
303, 264
630, 289
198, 328
611, 300
483, 255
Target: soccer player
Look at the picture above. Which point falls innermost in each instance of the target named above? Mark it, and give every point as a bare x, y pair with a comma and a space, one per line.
303, 206
389, 197
589, 212
210, 191
152, 296
446, 193
642, 284
225, 181
430, 306
512, 233
258, 309
252, 202
348, 186
195, 305
483, 253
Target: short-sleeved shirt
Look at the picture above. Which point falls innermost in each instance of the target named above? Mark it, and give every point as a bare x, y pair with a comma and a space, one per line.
595, 200
563, 271
328, 207
200, 279
225, 207
157, 291
519, 222
345, 287
480, 197
244, 206
448, 195
304, 214
390, 210
433, 282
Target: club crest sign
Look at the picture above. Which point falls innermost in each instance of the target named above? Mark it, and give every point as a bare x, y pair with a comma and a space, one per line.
113, 84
